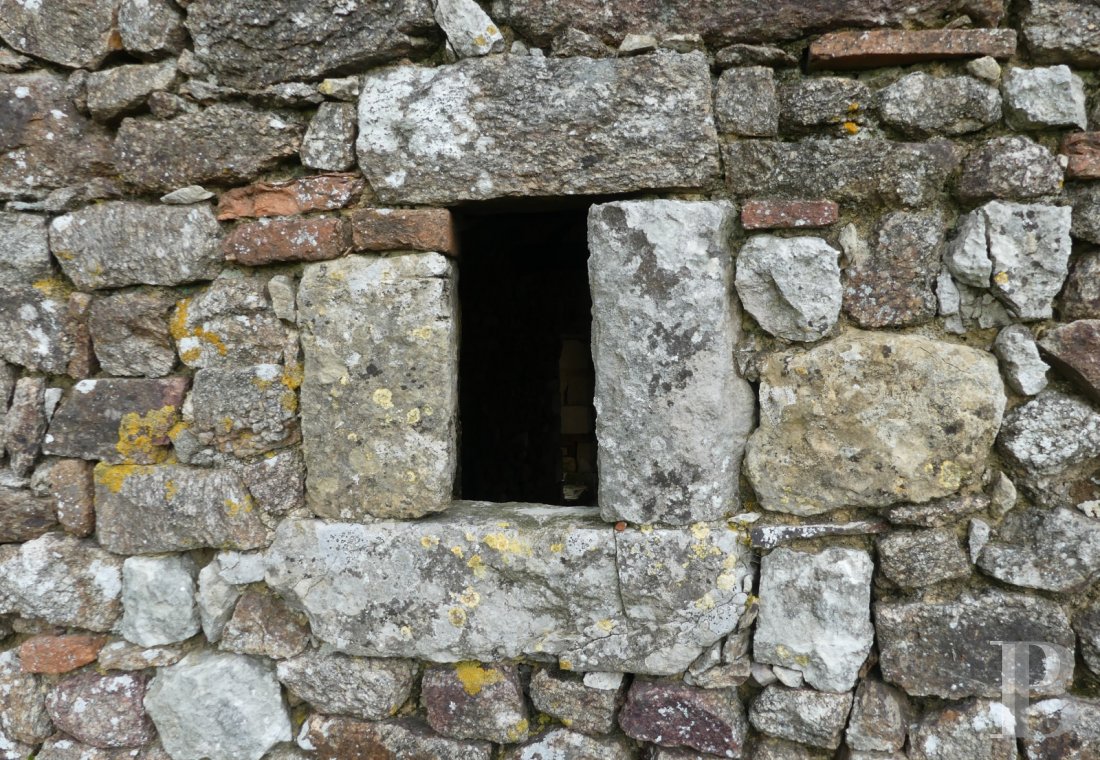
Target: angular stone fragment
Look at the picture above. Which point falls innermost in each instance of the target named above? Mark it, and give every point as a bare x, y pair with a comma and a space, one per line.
879, 718
578, 706
372, 689
262, 624
190, 701
61, 580
922, 105
122, 655
335, 738
771, 536
158, 600
102, 710
229, 324
474, 701
322, 192
977, 729
130, 332
56, 654
216, 600
1015, 168
117, 420
1074, 350
822, 101
1068, 727
745, 102
244, 411
1025, 372
573, 42
860, 171
24, 717
944, 649
1082, 149
150, 27
828, 640
45, 340
675, 715
379, 399
920, 446
25, 247
869, 50
225, 143
1085, 198
277, 481
329, 143
1044, 97
74, 34
647, 123
129, 243
663, 333
25, 424
314, 238
770, 748
1062, 31
1080, 298
810, 717
922, 558
23, 515
1049, 549
561, 742
146, 510
123, 89
771, 214
469, 30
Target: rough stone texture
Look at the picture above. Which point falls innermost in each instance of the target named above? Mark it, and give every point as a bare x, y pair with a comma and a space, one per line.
116, 420
23, 239
916, 447
62, 747
578, 706
822, 101
1081, 296
124, 89
860, 171
1015, 168
867, 50
771, 536
672, 411
943, 649
216, 600
1062, 31
471, 584
315, 238
762, 215
260, 42
1062, 728
1048, 549
128, 243
24, 717
102, 710
244, 411
561, 742
938, 513
922, 558
1052, 444
342, 738
372, 689
262, 624
791, 286
603, 126
24, 516
61, 580
1074, 350
373, 444
469, 29
879, 719
1021, 366
55, 654
973, 729
674, 715
921, 105
740, 54
322, 192
1082, 149
25, 424
150, 27
38, 116
76, 35
474, 701
394, 229
277, 482
157, 600
826, 641
151, 509
190, 701
888, 280
1044, 97
229, 324
222, 144
329, 143
45, 340
810, 717
745, 102
130, 332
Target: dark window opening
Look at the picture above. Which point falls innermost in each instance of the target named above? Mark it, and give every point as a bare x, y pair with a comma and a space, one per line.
526, 378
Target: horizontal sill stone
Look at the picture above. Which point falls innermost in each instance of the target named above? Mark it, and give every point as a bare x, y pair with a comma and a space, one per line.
768, 214
868, 50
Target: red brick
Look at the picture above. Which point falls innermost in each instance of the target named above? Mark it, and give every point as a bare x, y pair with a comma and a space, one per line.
391, 229
59, 654
868, 50
324, 192
1083, 151
767, 215
291, 238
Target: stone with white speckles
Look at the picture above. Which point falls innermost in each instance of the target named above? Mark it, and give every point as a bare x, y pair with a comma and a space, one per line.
243, 410
372, 689
675, 715
24, 718
879, 719
568, 698
158, 604
922, 105
76, 34
338, 738
972, 730
806, 716
151, 27
102, 710
1057, 725
1049, 549
24, 241
329, 142
230, 323
1040, 98
469, 30
564, 743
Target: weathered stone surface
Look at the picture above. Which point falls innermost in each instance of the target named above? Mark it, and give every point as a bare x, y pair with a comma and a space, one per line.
791, 286
117, 420
471, 585
102, 710
578, 706
130, 332
646, 123
46, 339
822, 101
124, 89
262, 624
672, 411
574, 42
860, 171
1044, 97
770, 748
944, 649
1074, 350
888, 280
25, 424
379, 399
879, 719
740, 54
922, 558
916, 447
1021, 366
76, 35
394, 229
62, 747
561, 742
314, 238
244, 411
745, 102
1062, 31
229, 324
474, 701
771, 214
810, 717
922, 105
469, 30
150, 27
343, 738
323, 192
190, 701
1081, 296
61, 580
1014, 167
216, 600
974, 729
675, 715
329, 142
277, 482
158, 600
129, 243
1052, 444
1048, 549
23, 515
372, 689
222, 144
56, 654
122, 655
24, 717
259, 42
771, 536
1082, 149
25, 244
869, 50
146, 510
828, 640
1068, 727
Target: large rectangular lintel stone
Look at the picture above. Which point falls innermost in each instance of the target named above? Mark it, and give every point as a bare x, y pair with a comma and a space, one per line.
508, 126
889, 47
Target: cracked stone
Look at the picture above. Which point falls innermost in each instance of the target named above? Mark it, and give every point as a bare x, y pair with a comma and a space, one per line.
244, 410
879, 719
745, 102
124, 89
822, 101
469, 30
578, 706
337, 738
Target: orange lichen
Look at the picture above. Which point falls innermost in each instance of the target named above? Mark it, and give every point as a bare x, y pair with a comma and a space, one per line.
474, 677
143, 438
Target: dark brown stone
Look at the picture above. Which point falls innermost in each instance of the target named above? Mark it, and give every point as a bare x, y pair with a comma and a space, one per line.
23, 515
1081, 296
102, 710
385, 229
324, 192
869, 50
474, 701
1083, 151
25, 424
262, 624
676, 715
264, 241
82, 361
775, 214
52, 654
1074, 350
73, 489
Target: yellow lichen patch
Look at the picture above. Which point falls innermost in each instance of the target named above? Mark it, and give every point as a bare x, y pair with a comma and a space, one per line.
410, 476
191, 355
292, 376
518, 731
851, 127
506, 544
227, 424
474, 678
52, 287
421, 333
606, 625
142, 438
565, 664
170, 490
1000, 278
112, 476
457, 616
289, 401
383, 397
646, 528
412, 416
476, 564
702, 551
429, 542
705, 602
457, 551
178, 326
234, 508
179, 330
557, 548
726, 581
469, 597
700, 531
175, 430
853, 107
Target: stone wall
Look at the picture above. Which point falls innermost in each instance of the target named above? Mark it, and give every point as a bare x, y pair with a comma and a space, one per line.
845, 291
